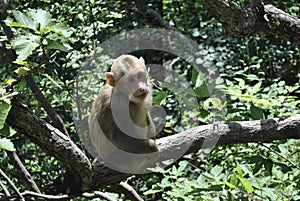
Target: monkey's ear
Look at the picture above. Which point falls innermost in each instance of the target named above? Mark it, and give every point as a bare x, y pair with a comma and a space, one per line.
110, 78
141, 59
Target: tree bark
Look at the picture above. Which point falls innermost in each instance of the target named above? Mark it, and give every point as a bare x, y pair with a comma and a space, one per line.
53, 141
98, 175
254, 19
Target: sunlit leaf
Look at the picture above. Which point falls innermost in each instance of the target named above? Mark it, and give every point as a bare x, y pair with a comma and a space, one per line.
248, 187
24, 19
6, 144
4, 110
42, 17
25, 45
22, 71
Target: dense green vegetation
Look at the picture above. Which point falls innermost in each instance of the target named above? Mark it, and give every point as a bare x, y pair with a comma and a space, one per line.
259, 75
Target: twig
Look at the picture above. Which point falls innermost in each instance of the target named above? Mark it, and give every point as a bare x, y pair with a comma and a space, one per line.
38, 195
57, 120
24, 173
12, 184
277, 153
128, 191
6, 192
98, 194
11, 95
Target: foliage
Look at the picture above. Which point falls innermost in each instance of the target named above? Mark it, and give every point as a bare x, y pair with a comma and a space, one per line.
259, 75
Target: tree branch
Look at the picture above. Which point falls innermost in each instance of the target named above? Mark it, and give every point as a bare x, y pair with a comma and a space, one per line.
128, 191
6, 192
28, 77
63, 148
97, 176
24, 173
9, 181
96, 194
57, 120
54, 142
207, 136
254, 19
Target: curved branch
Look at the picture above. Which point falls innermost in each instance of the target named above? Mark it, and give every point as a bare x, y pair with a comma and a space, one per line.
254, 19
128, 191
98, 175
53, 141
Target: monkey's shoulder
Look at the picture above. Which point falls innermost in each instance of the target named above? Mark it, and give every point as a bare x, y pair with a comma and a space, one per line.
104, 96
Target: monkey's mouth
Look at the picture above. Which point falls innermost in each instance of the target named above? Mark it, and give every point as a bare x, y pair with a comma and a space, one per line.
140, 94
143, 95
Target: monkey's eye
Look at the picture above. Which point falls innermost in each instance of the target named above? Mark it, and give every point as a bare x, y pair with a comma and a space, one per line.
140, 75
122, 73
131, 79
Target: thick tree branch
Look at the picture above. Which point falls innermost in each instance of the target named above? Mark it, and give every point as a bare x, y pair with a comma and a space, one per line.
207, 136
254, 19
57, 144
53, 141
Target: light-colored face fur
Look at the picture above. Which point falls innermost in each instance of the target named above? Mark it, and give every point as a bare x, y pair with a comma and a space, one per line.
130, 76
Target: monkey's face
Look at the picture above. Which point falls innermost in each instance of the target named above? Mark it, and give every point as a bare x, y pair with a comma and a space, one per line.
135, 85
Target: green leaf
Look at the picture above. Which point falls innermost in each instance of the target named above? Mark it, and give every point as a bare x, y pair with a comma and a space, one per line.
18, 25
6, 144
246, 185
160, 97
239, 171
256, 112
7, 131
241, 82
229, 184
4, 110
21, 71
52, 80
25, 20
256, 88
57, 45
25, 45
252, 77
202, 91
22, 63
42, 17
151, 191
61, 29
115, 15
268, 165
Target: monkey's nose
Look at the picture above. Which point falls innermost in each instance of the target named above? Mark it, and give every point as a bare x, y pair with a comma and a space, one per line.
141, 92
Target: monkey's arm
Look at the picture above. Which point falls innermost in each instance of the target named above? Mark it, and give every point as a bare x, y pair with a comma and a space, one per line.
151, 128
131, 144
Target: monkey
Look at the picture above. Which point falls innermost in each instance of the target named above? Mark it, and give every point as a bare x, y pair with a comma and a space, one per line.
120, 125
